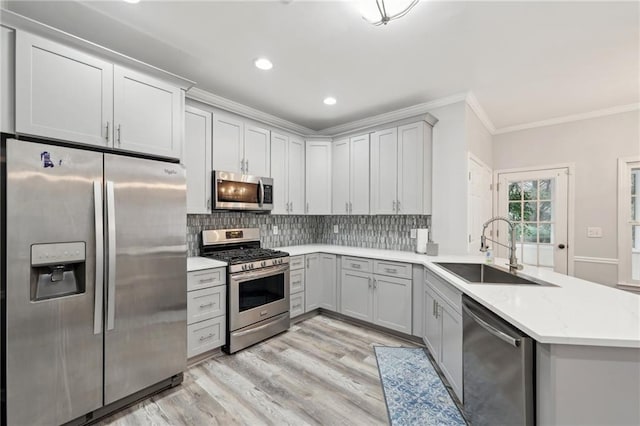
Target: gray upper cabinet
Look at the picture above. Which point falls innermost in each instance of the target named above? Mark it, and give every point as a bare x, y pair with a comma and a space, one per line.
146, 114
350, 176
65, 94
401, 170
240, 147
197, 159
287, 171
62, 93
318, 177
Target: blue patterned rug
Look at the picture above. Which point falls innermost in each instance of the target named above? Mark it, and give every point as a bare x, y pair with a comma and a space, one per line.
413, 391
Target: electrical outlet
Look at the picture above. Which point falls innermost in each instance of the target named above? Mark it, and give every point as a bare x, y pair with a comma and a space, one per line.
594, 232
413, 233
335, 229
275, 230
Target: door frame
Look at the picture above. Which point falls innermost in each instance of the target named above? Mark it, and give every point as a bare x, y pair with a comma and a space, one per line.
476, 159
571, 202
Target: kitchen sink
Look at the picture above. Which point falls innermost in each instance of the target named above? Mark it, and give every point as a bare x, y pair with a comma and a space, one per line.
480, 273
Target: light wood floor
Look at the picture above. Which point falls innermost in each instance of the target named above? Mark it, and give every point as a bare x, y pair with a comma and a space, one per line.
322, 371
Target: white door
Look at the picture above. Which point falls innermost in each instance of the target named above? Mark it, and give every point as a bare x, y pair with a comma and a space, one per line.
197, 139
480, 195
279, 173
410, 168
257, 148
340, 177
359, 175
392, 303
384, 171
146, 114
356, 289
228, 144
537, 202
62, 93
296, 176
318, 177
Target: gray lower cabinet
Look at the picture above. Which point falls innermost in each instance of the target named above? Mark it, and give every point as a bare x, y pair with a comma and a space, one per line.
296, 285
206, 310
380, 299
442, 328
320, 282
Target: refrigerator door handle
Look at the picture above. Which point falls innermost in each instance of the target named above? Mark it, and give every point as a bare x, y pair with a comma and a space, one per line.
111, 267
99, 283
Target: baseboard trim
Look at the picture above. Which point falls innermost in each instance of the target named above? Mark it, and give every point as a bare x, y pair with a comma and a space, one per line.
603, 260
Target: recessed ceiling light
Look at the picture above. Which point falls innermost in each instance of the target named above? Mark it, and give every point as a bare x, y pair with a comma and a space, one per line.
330, 100
263, 64
132, 1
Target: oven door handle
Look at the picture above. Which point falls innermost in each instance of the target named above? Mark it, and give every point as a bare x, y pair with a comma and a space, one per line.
261, 197
264, 272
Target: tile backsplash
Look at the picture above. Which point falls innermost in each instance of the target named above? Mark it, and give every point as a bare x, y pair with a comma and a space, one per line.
385, 232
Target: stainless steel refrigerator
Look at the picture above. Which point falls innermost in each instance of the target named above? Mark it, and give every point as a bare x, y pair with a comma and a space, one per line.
95, 284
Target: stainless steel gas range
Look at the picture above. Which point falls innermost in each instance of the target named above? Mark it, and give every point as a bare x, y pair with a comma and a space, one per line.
257, 285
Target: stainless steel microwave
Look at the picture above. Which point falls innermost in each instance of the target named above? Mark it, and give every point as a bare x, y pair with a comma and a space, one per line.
234, 191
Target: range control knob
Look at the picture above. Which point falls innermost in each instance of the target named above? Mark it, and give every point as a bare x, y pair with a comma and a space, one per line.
252, 266
263, 263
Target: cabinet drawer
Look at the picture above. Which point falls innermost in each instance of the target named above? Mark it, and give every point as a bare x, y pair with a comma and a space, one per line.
357, 264
392, 269
205, 336
205, 304
296, 281
297, 304
445, 290
197, 280
296, 262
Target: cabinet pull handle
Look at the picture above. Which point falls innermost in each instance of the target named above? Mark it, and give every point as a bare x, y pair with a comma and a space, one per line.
246, 166
393, 205
307, 210
437, 309
242, 165
433, 308
291, 207
375, 283
369, 282
391, 271
398, 206
346, 207
355, 266
119, 133
107, 136
204, 305
350, 207
208, 336
307, 263
208, 280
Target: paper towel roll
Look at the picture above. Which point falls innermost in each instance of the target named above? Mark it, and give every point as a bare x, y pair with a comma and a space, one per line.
422, 237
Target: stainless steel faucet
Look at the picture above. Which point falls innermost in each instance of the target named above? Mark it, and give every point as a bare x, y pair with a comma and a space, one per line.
513, 260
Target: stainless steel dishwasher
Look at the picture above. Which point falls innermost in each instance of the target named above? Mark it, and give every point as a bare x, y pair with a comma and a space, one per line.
498, 369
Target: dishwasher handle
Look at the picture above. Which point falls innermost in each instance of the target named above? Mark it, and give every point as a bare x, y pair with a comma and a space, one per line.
499, 334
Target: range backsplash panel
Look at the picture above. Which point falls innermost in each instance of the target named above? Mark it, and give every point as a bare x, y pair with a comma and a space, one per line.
384, 232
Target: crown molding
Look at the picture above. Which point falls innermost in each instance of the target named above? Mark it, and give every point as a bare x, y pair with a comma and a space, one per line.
570, 118
473, 103
388, 117
247, 111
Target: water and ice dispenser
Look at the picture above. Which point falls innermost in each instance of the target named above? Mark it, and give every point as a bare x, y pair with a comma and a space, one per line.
57, 270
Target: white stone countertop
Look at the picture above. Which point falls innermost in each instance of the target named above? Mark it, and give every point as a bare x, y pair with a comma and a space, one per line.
198, 263
573, 312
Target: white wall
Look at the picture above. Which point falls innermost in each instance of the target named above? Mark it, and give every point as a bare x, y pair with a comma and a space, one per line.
449, 217
594, 146
479, 139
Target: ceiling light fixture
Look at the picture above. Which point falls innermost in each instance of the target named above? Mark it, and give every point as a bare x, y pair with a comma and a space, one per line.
330, 100
263, 64
380, 12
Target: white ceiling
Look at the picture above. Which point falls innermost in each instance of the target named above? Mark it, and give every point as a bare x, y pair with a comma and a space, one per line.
524, 61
